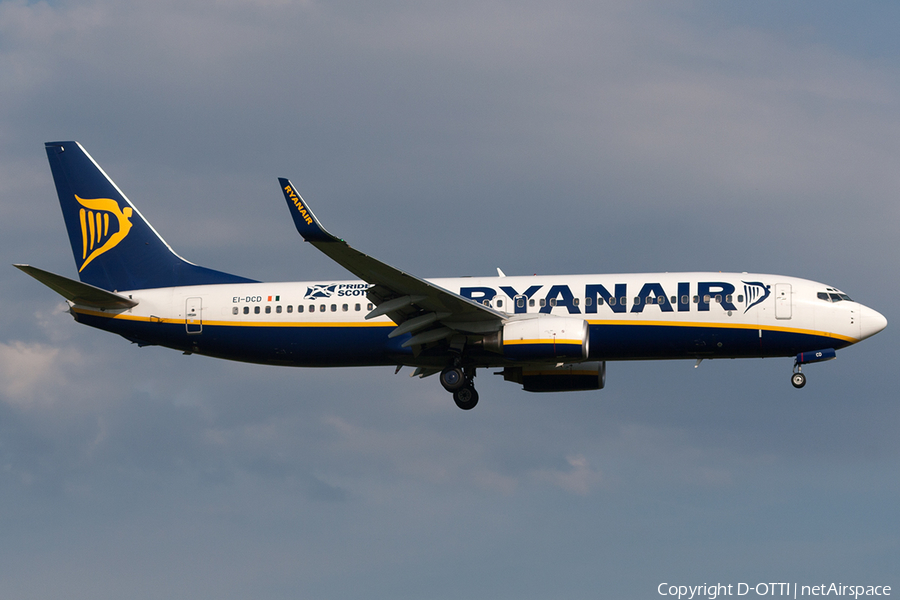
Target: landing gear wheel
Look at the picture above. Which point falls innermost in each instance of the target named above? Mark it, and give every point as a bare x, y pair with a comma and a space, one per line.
798, 380
452, 379
466, 397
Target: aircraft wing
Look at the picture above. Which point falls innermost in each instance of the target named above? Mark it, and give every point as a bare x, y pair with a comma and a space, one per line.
430, 312
77, 291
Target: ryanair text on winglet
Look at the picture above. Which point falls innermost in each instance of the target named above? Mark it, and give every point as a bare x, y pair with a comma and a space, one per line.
297, 202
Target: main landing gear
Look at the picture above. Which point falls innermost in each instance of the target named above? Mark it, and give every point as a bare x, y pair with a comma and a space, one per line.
459, 383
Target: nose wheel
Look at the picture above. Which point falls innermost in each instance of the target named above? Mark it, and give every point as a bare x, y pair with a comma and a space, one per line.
798, 379
459, 383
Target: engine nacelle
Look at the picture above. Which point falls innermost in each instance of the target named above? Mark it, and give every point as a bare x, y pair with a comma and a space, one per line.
544, 337
568, 378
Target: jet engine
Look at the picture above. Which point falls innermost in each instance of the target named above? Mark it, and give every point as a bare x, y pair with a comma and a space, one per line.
542, 337
568, 378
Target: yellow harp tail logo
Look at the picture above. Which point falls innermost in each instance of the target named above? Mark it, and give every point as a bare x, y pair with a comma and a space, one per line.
96, 237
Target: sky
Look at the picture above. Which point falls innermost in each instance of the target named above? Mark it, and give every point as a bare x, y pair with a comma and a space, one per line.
449, 139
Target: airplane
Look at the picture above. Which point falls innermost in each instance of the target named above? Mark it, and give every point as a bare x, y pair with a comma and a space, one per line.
549, 333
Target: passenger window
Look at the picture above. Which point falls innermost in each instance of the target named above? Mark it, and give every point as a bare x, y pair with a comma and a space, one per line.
531, 302
685, 300
370, 306
623, 300
740, 297
299, 308
486, 302
499, 303
660, 299
322, 308
278, 309
520, 302
706, 299
268, 309
255, 310
345, 308
357, 308
718, 298
552, 301
575, 301
728, 298
290, 308
543, 302
600, 301
587, 302
234, 310
246, 310
334, 308
696, 299
312, 308
612, 301
637, 300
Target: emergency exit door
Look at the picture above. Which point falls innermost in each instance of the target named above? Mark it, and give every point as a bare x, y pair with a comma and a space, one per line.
783, 300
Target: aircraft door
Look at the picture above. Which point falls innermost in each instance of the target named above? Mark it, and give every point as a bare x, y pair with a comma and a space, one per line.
193, 320
783, 300
521, 304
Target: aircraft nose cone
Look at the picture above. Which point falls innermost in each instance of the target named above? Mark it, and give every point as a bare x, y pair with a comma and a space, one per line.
870, 322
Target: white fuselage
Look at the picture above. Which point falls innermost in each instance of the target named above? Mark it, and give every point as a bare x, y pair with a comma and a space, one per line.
631, 316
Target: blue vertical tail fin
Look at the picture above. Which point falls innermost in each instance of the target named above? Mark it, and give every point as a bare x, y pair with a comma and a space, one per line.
115, 248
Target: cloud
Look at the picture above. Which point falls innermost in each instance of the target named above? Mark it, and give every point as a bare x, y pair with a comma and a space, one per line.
34, 375
578, 479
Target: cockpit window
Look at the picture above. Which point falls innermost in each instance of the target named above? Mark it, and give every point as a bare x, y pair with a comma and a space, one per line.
833, 297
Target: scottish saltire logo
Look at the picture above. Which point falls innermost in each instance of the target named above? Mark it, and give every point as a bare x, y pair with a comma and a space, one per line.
103, 226
314, 292
317, 291
754, 293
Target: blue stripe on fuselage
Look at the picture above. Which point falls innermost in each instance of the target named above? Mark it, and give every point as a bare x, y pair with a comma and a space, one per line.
333, 346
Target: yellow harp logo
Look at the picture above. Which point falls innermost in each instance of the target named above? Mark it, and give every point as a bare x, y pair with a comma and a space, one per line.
96, 237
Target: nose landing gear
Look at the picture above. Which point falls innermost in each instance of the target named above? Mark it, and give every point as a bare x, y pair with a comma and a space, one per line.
798, 379
459, 383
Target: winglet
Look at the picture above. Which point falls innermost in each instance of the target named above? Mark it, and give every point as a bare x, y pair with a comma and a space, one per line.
304, 219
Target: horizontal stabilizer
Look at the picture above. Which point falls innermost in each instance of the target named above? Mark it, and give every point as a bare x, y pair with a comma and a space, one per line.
78, 292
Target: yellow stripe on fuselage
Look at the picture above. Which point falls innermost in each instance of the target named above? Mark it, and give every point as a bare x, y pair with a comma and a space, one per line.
181, 321
543, 341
